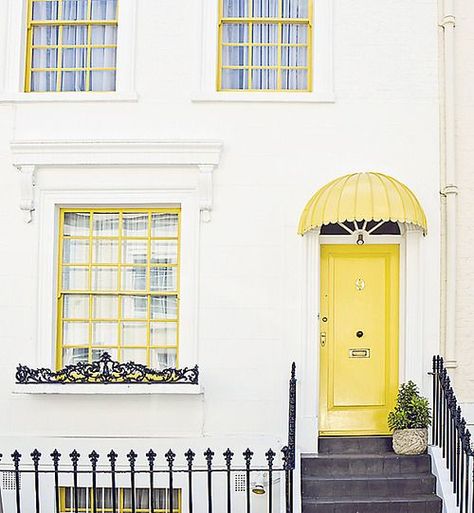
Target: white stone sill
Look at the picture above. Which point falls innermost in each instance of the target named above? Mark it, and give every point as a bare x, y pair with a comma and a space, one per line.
65, 97
108, 389
263, 97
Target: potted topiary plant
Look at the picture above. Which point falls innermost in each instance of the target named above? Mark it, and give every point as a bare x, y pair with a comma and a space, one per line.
409, 421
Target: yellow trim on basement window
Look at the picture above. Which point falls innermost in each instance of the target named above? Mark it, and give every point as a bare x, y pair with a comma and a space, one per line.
135, 275
60, 23
279, 22
362, 196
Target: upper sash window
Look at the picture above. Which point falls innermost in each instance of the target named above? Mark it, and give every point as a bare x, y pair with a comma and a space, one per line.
71, 45
265, 45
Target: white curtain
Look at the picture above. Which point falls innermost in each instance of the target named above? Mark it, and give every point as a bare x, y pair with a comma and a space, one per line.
74, 57
265, 34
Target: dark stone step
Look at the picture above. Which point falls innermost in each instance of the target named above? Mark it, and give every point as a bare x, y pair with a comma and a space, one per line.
370, 464
355, 445
417, 504
364, 486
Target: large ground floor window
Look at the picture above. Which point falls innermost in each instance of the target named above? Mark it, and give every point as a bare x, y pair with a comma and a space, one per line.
118, 285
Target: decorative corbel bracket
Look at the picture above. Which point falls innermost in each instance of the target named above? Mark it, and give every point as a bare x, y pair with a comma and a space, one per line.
27, 184
205, 191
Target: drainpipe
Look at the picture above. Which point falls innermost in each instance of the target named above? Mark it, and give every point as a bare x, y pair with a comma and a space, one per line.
449, 188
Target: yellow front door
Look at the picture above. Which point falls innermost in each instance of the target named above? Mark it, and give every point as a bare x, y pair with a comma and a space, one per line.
358, 338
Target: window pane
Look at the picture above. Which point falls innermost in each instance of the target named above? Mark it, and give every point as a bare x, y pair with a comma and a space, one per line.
164, 307
164, 334
42, 81
142, 498
164, 252
294, 79
103, 57
135, 224
75, 278
75, 333
45, 36
264, 79
134, 307
97, 353
134, 355
164, 225
76, 307
264, 56
134, 333
235, 56
295, 8
104, 278
162, 358
133, 278
266, 8
294, 56
45, 58
105, 251
75, 10
74, 35
134, 251
76, 224
235, 79
264, 33
76, 251
73, 81
74, 356
104, 35
105, 307
45, 10
105, 224
235, 33
104, 9
74, 58
103, 80
235, 8
292, 33
163, 279
105, 333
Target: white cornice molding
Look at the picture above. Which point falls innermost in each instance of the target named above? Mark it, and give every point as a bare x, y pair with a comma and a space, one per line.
29, 157
135, 153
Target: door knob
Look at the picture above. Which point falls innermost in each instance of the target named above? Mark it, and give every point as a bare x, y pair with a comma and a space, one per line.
359, 334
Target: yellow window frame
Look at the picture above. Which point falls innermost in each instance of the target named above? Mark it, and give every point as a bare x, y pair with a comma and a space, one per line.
119, 293
279, 21
120, 506
60, 23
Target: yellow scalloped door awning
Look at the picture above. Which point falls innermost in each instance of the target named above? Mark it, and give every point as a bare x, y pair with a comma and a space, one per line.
362, 196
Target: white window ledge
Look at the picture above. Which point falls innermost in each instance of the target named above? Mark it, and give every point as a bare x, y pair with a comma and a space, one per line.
108, 389
65, 97
263, 97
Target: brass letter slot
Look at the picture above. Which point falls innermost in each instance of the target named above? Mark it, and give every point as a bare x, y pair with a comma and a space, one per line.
359, 353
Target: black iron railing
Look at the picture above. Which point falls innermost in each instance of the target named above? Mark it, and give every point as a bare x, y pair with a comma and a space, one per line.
449, 432
188, 482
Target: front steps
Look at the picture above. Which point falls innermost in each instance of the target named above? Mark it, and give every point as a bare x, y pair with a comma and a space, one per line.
364, 475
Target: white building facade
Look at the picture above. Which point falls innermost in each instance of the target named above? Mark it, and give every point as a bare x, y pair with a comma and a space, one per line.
165, 122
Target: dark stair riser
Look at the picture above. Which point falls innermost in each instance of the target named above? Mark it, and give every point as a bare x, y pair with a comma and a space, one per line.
428, 504
355, 445
329, 466
366, 487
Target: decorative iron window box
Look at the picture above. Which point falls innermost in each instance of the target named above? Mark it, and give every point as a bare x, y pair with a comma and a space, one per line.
107, 376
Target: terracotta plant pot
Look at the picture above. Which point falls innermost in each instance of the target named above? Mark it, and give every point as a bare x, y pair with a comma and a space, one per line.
410, 441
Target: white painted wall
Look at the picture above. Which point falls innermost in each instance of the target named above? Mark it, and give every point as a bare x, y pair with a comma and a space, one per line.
275, 155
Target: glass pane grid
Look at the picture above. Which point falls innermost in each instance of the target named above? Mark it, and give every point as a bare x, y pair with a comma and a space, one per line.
71, 45
130, 310
265, 45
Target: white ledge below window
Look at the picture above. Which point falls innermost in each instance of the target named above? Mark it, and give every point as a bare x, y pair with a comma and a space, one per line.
264, 97
69, 97
108, 389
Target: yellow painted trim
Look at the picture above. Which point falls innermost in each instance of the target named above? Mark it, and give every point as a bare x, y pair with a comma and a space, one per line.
119, 293
362, 196
356, 420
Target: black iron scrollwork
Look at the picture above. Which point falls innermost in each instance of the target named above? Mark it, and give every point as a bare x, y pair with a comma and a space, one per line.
104, 371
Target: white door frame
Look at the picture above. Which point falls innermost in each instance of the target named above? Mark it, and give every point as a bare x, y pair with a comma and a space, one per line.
411, 319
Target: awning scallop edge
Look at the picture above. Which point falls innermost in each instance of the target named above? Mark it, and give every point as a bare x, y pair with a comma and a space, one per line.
362, 196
